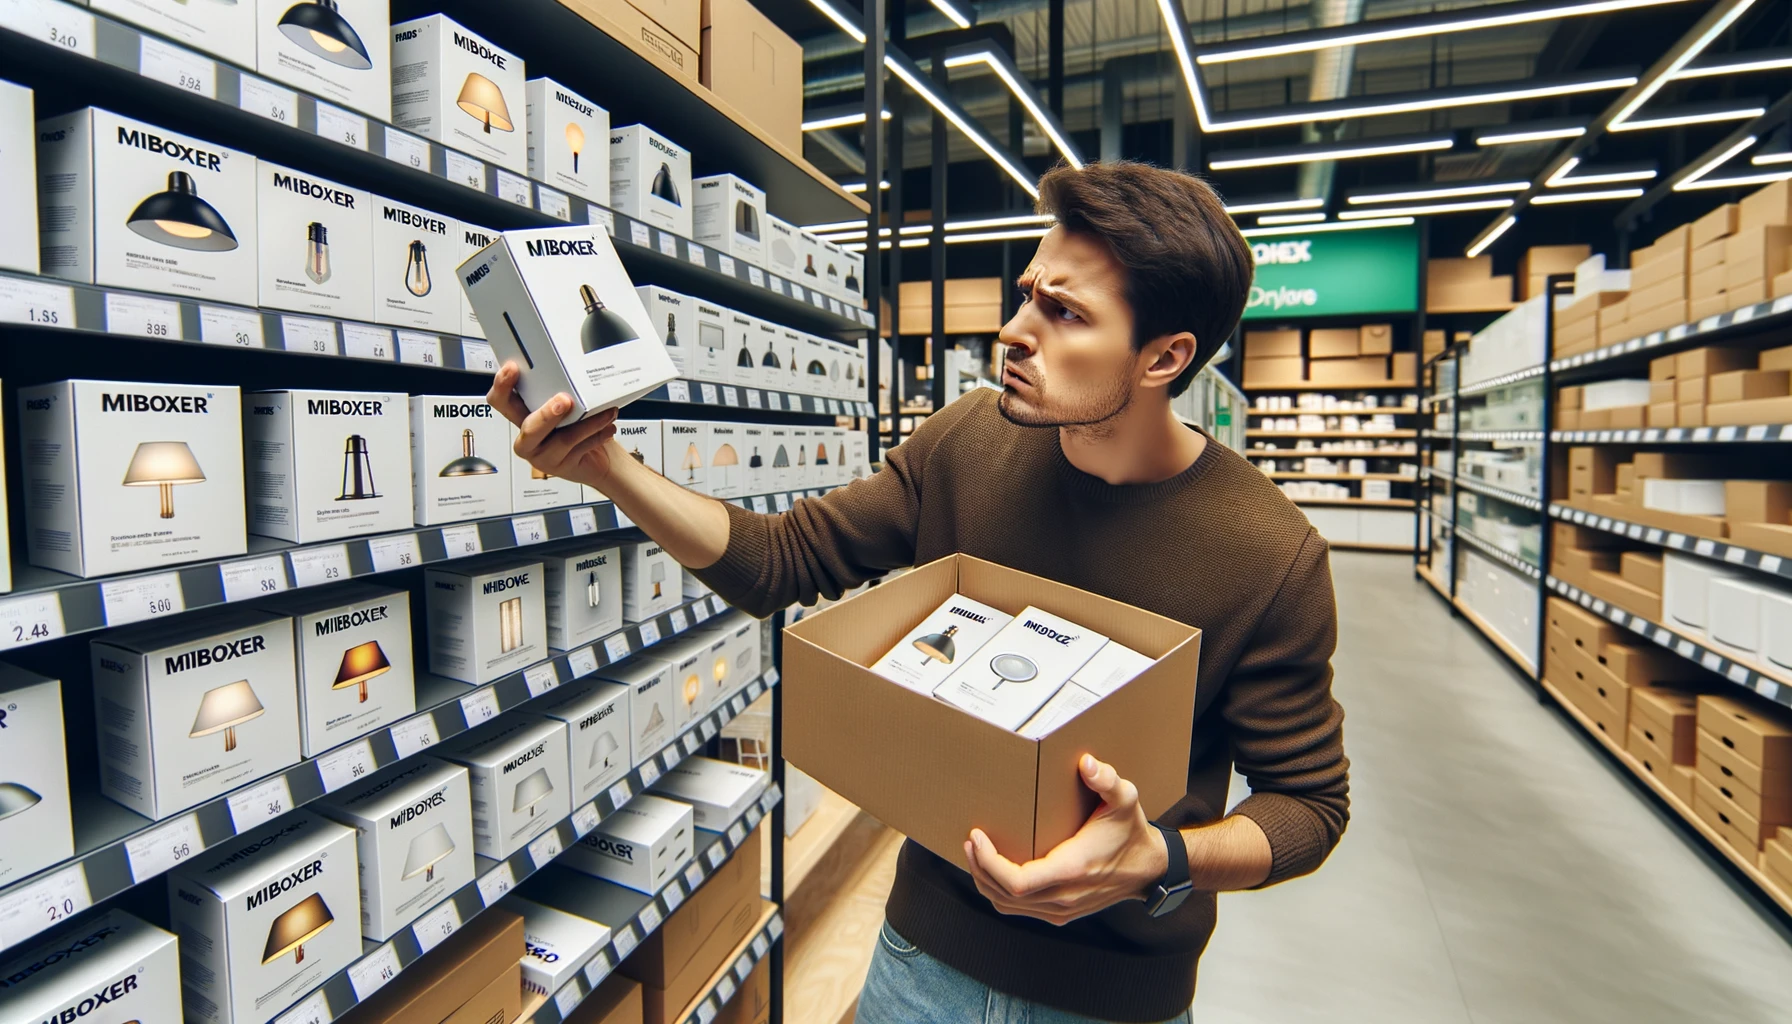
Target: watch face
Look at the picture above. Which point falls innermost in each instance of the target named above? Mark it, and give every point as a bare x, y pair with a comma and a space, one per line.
1163, 902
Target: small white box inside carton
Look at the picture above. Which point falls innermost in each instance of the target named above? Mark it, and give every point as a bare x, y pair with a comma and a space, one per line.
949, 636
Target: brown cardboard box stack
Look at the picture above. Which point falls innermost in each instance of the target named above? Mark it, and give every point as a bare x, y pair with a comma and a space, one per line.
1757, 389
1340, 356
1597, 563
1272, 358
476, 969
1465, 286
1744, 760
1657, 299
665, 32
753, 66
1759, 514
973, 305
1540, 261
673, 963
616, 1001
1577, 325
1601, 480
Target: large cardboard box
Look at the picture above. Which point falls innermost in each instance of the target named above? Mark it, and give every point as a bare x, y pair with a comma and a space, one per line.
754, 67
640, 33
500, 1000
1269, 372
616, 1001
1360, 370
903, 756
711, 920
1271, 344
1334, 343
439, 984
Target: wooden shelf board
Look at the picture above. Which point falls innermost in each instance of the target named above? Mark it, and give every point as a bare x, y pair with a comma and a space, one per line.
1386, 385
1372, 435
1494, 637
1437, 584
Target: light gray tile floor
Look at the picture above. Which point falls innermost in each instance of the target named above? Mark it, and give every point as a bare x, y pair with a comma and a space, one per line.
1498, 869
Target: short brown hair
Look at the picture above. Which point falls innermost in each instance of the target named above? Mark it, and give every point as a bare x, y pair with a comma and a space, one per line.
1187, 266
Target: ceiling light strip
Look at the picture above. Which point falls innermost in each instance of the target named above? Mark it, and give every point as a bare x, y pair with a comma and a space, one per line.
1314, 154
1556, 198
1334, 112
1739, 64
1355, 225
1442, 192
841, 21
1519, 137
1681, 120
1269, 219
1426, 210
1275, 204
1691, 181
1022, 90
838, 121
912, 77
1177, 29
1717, 27
952, 13
1488, 239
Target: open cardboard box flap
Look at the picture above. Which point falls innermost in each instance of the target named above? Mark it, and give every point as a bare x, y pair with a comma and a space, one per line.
933, 771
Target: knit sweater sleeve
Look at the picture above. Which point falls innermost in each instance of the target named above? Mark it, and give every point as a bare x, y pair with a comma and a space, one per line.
1287, 732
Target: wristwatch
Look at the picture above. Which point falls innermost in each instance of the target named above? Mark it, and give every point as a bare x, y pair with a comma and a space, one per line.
1169, 892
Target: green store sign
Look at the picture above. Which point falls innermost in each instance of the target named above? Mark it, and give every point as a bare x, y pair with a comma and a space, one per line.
1331, 273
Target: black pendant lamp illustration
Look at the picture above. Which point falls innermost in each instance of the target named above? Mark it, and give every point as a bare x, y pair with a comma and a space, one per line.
938, 646
663, 187
852, 280
746, 220
770, 359
357, 471
15, 798
319, 28
468, 464
833, 273
781, 458
821, 454
602, 327
809, 268
745, 359
178, 217
755, 462
816, 369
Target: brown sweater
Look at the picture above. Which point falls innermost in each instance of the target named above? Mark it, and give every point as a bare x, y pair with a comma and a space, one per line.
1217, 547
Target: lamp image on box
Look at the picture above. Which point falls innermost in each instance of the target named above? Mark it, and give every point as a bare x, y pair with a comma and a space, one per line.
769, 361
939, 646
671, 330
357, 471
468, 464
416, 269
426, 851
852, 281
710, 337
529, 792
655, 722
178, 217
291, 930
693, 461
746, 219
783, 252
319, 28
658, 578
693, 688
726, 458
602, 327
802, 455
1013, 668
224, 708
817, 369
602, 753
317, 252
809, 267
754, 461
15, 798
592, 594
163, 464
361, 663
663, 186
744, 359
821, 454
575, 141
483, 101
510, 625
781, 459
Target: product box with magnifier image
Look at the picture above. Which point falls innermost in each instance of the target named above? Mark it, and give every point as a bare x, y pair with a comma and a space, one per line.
557, 944
650, 178
558, 303
727, 472
461, 90
410, 247
532, 490
189, 710
756, 463
600, 743
569, 141
472, 240
413, 827
129, 476
685, 450
355, 667
1020, 668
521, 787
944, 639
18, 177
458, 444
784, 248
673, 316
650, 582
584, 593
327, 464
651, 715
641, 440
35, 825
223, 30
642, 845
265, 918
780, 457
127, 204
338, 50
718, 791
487, 617
728, 215
115, 964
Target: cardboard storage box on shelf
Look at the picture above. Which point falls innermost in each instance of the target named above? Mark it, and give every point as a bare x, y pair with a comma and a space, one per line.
1271, 344
1333, 343
1269, 372
1718, 224
500, 999
1375, 339
1667, 719
638, 31
453, 973
1768, 205
674, 962
1345, 372
1540, 261
1453, 285
896, 753
754, 67
616, 1001
114, 960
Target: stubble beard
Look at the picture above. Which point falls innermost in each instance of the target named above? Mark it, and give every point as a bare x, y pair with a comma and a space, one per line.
1093, 418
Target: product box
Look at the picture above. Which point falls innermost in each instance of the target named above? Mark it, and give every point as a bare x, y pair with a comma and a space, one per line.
795, 378
18, 178
520, 783
584, 593
947, 637
858, 452
715, 362
459, 89
568, 141
771, 354
327, 464
855, 275
457, 444
815, 366
600, 746
557, 944
338, 50
728, 215
487, 617
833, 275
1112, 667
743, 653
410, 245
532, 490
902, 755
1021, 667
727, 475
571, 318
650, 178
667, 311
36, 829
265, 918
643, 845
685, 444
500, 999
810, 261
652, 716
783, 252
1070, 701
191, 709
781, 456
473, 239
413, 839
353, 644
226, 31
641, 439
718, 791
742, 360
650, 581
756, 478
114, 961
802, 474
456, 972
125, 203
688, 658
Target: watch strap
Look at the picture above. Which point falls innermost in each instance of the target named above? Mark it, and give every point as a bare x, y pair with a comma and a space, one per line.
1176, 874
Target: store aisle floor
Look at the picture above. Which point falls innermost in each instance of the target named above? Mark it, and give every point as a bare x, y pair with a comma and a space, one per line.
1498, 869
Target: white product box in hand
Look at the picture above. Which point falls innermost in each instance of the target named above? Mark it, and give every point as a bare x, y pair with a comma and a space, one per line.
718, 791
641, 439
650, 178
36, 830
685, 449
226, 31
189, 710
336, 49
763, 339
414, 839
356, 673
940, 643
1111, 668
600, 743
729, 216
107, 460
715, 361
568, 141
487, 618
124, 203
18, 178
726, 461
781, 458
651, 712
458, 443
115, 961
668, 312
521, 787
642, 845
472, 240
650, 583
556, 944
410, 246
783, 249
558, 303
1020, 668
532, 490
583, 593
326, 464
756, 459
265, 918
459, 89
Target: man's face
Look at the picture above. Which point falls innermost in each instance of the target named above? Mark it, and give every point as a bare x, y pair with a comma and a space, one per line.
1070, 355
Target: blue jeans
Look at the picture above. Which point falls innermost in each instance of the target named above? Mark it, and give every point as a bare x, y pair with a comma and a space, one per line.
906, 986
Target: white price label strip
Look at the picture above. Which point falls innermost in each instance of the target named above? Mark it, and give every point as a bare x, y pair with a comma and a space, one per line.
419, 349
679, 622
650, 772
177, 66
706, 1012
464, 170
625, 941
437, 925
339, 125
727, 265
554, 204
730, 396
222, 325
142, 317
363, 341
598, 969
650, 633
261, 803
142, 597
31, 619
595, 214
709, 393
414, 734
668, 245
314, 567
754, 399
35, 302
314, 1010
478, 356
673, 895
620, 793
638, 234
696, 254
317, 337
265, 99
584, 521
162, 847
350, 764
583, 662
585, 818
760, 944
370, 973
756, 277
616, 647
716, 856
701, 611
650, 917
529, 529
43, 903
541, 678
461, 541
693, 876
566, 1000
545, 847
495, 883
678, 391
479, 706
395, 552
63, 25
513, 188
736, 833
407, 149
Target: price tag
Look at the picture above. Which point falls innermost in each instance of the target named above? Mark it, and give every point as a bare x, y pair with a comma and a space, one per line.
584, 819
313, 567
700, 611
599, 968
816, 300
782, 501
584, 520
1735, 555
756, 277
625, 941
478, 356
743, 966
1683, 649
1738, 675
736, 704
461, 541
177, 66
778, 285
437, 925
162, 847
314, 1010
595, 214
31, 619
363, 341
300, 334
222, 325
760, 945
650, 633
706, 1012
513, 188
1770, 563
140, 316
1768, 688
650, 917
724, 992
142, 597
1711, 661
1783, 303
554, 204
399, 551
617, 647
370, 973
650, 771
717, 604
755, 688
696, 254
754, 814
776, 927
545, 847
1704, 546
465, 170
414, 734
709, 393
339, 125
1757, 433
708, 729
668, 245
407, 149
257, 804
479, 706
639, 235
566, 1000
736, 834
716, 856
730, 396
688, 743
529, 529
759, 503
341, 767
36, 302
754, 399
541, 678
680, 622
727, 265
43, 903
678, 391
583, 662
620, 793
693, 876
1726, 433
58, 24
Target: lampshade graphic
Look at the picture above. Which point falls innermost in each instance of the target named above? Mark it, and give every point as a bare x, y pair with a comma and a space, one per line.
809, 267
755, 462
770, 359
1012, 668
833, 273
163, 464
657, 577
291, 930
693, 461
639, 456
693, 688
724, 462
671, 331
744, 359
817, 369
802, 455
782, 252
780, 458
468, 464
538, 474
591, 591
655, 722
15, 798
834, 369
483, 101
416, 269
821, 454
319, 28
224, 708
359, 664
603, 326
852, 280
357, 471
510, 625
575, 141
178, 217
602, 751
426, 851
317, 252
939, 647
530, 792
663, 186
746, 219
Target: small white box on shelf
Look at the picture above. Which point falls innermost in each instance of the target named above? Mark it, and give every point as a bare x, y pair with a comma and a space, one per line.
458, 444
584, 593
810, 261
802, 473
38, 830
684, 446
950, 635
718, 791
784, 248
727, 471
568, 141
520, 783
532, 490
817, 379
737, 352
763, 339
1614, 394
18, 178
641, 439
643, 845
1686, 590
356, 673
1735, 616
729, 216
651, 711
600, 745
780, 456
1686, 497
685, 656
715, 362
459, 89
650, 584
1776, 629
742, 652
556, 944
757, 459
115, 960
487, 617
667, 311
339, 50
327, 464
1020, 668
833, 271
472, 240
411, 246
226, 31
650, 178
853, 285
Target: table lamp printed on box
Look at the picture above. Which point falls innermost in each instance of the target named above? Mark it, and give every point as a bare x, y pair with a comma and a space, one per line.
529, 792
426, 851
299, 925
483, 101
224, 708
162, 465
361, 663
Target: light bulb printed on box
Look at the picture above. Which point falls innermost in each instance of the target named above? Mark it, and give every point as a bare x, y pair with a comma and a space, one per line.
1020, 668
413, 827
487, 618
729, 216
127, 204
414, 255
568, 147
652, 696
335, 49
673, 318
353, 645
599, 741
521, 787
458, 446
18, 177
461, 90
327, 464
650, 178
35, 826
584, 593
472, 239
532, 490
115, 963
225, 30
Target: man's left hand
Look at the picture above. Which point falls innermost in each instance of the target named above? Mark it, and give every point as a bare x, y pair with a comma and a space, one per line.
1114, 857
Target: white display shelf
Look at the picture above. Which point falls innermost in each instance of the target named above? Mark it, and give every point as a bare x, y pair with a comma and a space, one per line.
1495, 435
1705, 547
1497, 553
1751, 434
1371, 435
1759, 316
1519, 498
1502, 381
1390, 410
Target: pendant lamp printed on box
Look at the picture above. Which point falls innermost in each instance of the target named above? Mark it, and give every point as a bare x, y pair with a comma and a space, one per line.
603, 326
602, 751
179, 218
163, 465
468, 464
318, 28
223, 708
939, 647
726, 458
663, 186
299, 925
357, 471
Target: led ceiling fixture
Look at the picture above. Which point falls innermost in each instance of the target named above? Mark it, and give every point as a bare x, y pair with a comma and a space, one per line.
911, 76
1429, 208
178, 217
952, 13
859, 186
986, 236
1022, 90
1767, 159
1534, 133
1354, 225
1498, 229
1681, 120
291, 930
361, 663
1717, 27
1564, 177
1290, 218
1556, 198
1268, 205
826, 121
841, 21
1334, 151
1433, 99
319, 28
1441, 192
1740, 64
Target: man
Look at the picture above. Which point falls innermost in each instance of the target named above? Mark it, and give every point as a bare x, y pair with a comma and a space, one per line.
1078, 471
